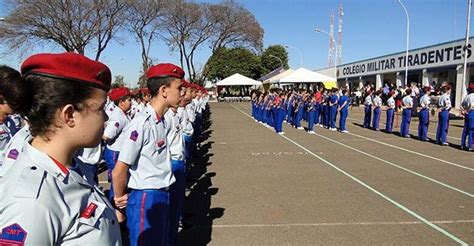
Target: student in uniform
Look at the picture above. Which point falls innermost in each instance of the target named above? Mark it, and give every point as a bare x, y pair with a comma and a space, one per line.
391, 105
44, 197
467, 109
333, 109
407, 105
311, 112
444, 106
175, 123
118, 119
8, 77
343, 108
145, 157
424, 114
280, 112
318, 96
367, 109
377, 102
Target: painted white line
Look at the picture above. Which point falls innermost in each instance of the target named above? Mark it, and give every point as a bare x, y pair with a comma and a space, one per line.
398, 166
414, 152
340, 224
104, 182
412, 213
429, 133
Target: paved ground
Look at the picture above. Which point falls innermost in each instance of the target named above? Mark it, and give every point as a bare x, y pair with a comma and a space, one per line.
255, 187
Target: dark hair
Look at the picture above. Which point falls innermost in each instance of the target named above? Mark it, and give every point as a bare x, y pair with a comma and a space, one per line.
42, 96
408, 91
124, 98
344, 91
10, 87
154, 84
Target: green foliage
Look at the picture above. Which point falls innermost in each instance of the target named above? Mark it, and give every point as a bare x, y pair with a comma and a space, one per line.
118, 81
269, 60
226, 62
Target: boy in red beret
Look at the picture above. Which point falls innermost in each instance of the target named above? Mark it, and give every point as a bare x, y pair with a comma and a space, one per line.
145, 161
118, 119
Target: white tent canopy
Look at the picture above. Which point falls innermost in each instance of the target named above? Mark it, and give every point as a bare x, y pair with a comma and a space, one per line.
276, 78
238, 79
303, 75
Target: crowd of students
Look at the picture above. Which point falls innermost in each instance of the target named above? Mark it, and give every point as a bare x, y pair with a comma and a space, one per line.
318, 108
59, 119
420, 102
322, 107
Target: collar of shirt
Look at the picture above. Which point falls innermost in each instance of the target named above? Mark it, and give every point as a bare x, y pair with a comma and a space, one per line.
53, 167
151, 111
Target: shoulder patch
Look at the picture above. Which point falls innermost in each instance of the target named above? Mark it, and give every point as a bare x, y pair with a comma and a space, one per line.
134, 136
13, 235
13, 154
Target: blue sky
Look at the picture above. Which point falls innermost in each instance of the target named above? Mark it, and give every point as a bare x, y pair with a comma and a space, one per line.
371, 28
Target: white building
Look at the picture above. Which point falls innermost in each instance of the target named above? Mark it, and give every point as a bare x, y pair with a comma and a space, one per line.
436, 63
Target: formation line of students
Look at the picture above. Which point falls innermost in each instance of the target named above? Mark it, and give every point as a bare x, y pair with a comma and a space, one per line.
69, 121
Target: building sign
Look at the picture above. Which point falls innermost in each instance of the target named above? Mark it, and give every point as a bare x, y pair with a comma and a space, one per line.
435, 56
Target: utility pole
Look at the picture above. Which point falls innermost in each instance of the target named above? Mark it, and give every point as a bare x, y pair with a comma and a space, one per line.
339, 36
331, 41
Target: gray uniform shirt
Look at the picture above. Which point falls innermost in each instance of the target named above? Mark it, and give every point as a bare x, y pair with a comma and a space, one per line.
144, 147
43, 203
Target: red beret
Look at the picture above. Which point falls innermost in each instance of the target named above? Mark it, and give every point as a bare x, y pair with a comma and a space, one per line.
117, 93
165, 70
70, 66
471, 86
144, 91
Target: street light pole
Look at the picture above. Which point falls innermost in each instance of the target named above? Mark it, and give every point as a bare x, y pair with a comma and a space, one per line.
408, 38
301, 55
335, 49
466, 44
279, 59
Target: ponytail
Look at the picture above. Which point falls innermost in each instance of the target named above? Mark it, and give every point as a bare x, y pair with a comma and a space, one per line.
14, 90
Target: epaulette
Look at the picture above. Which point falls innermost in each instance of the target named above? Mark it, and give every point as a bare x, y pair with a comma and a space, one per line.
29, 182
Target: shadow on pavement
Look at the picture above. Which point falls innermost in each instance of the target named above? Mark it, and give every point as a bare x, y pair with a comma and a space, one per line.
198, 214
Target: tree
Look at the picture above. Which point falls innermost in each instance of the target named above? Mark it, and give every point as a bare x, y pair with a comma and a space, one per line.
225, 62
187, 26
274, 57
235, 26
144, 20
73, 25
118, 81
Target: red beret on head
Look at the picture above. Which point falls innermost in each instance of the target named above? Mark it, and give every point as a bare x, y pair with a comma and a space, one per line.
144, 91
471, 86
164, 70
70, 66
117, 93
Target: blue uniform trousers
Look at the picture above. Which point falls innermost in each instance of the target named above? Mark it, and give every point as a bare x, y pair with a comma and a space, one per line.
468, 131
289, 116
299, 116
177, 190
324, 115
405, 126
332, 116
317, 112
376, 119
110, 158
342, 120
423, 123
443, 124
367, 116
389, 122
148, 217
311, 117
279, 122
